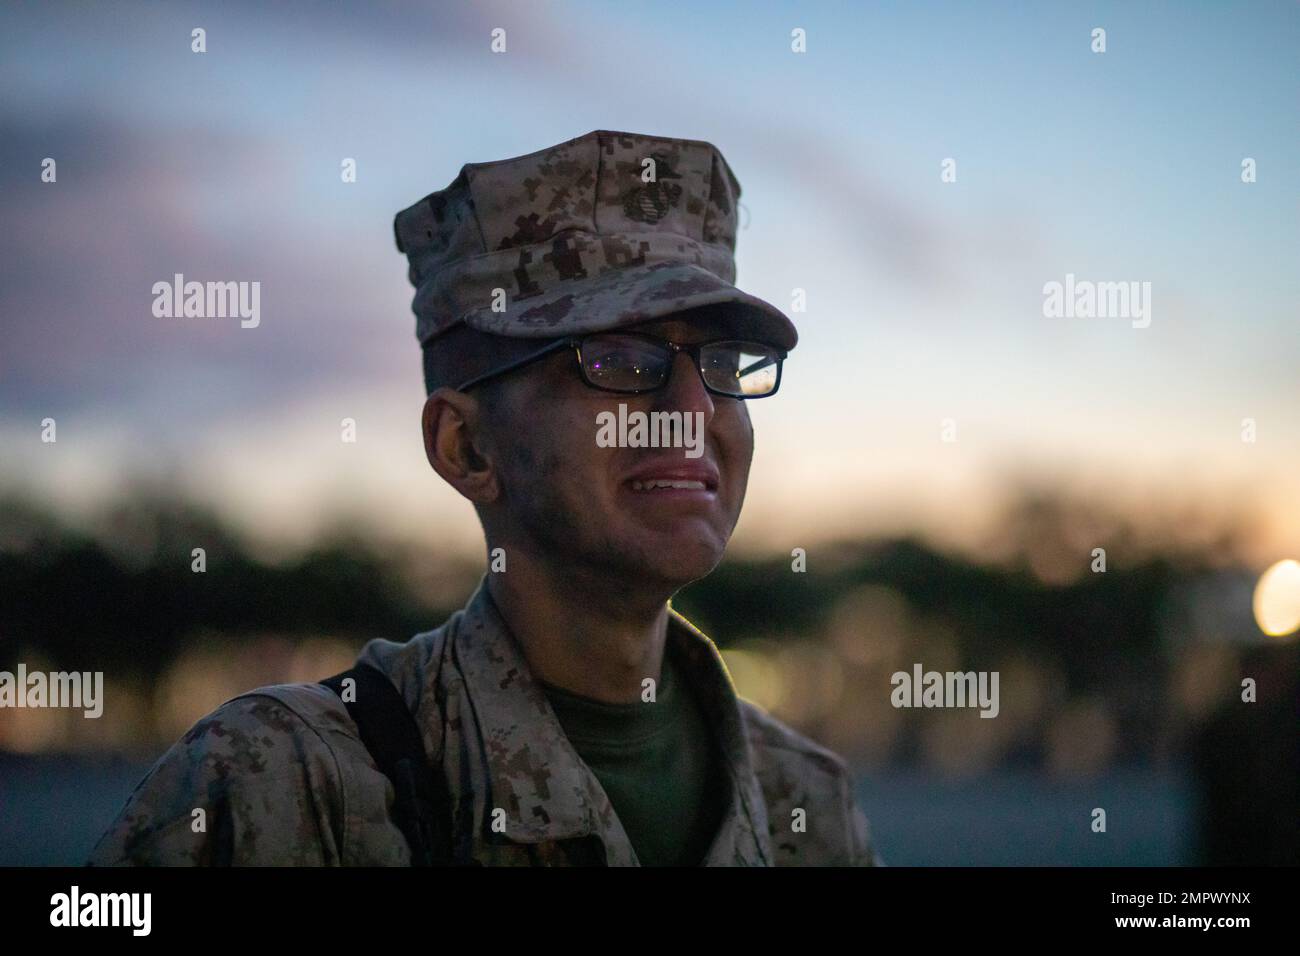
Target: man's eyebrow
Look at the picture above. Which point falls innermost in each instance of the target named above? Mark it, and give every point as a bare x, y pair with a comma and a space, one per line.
689, 330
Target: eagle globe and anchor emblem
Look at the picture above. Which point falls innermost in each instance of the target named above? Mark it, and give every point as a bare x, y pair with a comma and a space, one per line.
650, 202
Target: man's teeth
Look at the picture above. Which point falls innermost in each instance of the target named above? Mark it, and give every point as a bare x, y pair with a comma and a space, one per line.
667, 483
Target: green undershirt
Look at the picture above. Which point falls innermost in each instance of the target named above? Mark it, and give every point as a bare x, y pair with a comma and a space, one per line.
658, 765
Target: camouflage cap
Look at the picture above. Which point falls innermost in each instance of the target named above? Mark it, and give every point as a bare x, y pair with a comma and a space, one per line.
603, 231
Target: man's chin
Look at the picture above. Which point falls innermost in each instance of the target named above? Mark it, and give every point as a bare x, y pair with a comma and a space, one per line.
679, 559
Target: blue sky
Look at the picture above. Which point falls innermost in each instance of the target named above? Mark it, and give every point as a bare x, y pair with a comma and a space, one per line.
925, 298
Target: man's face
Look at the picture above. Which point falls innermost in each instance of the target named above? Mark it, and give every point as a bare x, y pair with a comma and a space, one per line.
579, 503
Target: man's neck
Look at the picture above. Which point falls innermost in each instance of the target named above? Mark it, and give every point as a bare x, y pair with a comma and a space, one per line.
581, 632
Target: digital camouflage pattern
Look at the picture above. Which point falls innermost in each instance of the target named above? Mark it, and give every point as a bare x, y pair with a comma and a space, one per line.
605, 230
283, 777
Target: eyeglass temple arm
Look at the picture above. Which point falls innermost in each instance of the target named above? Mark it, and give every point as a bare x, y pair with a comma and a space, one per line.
763, 362
519, 363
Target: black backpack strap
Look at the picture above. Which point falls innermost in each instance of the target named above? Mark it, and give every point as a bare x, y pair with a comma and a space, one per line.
389, 731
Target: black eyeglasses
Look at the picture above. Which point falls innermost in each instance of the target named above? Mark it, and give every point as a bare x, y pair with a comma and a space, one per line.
633, 362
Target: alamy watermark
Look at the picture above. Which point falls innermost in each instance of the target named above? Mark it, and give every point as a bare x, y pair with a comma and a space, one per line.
651, 430
84, 691
923, 688
1086, 299
208, 300
76, 908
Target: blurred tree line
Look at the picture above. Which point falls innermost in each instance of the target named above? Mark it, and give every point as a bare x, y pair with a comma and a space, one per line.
1156, 645
126, 598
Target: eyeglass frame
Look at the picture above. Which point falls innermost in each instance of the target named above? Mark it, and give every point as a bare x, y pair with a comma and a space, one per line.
692, 349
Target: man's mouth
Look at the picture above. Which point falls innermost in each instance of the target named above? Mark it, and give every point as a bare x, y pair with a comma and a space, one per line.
674, 480
656, 484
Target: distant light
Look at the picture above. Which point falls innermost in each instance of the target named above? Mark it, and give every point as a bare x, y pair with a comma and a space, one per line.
756, 675
1277, 599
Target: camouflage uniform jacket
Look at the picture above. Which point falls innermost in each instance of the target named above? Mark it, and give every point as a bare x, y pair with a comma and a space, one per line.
284, 778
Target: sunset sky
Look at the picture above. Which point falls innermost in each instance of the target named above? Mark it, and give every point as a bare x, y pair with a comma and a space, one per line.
925, 298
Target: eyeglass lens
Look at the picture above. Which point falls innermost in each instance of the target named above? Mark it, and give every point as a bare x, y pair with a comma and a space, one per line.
629, 364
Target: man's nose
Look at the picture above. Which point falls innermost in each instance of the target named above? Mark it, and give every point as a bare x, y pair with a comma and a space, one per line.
685, 391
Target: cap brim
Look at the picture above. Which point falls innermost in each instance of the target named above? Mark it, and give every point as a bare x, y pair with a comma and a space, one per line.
629, 296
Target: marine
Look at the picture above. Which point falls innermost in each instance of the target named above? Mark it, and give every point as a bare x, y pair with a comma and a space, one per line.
568, 714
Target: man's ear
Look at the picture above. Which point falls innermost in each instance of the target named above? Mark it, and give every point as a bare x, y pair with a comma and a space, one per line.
452, 424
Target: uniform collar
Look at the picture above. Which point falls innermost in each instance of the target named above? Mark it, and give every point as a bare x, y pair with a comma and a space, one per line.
544, 786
